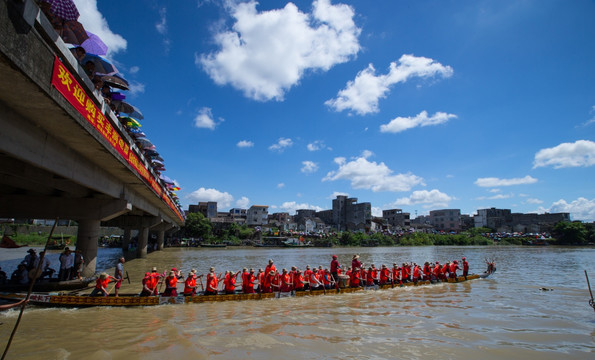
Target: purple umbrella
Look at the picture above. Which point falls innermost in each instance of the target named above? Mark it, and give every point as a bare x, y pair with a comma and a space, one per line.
94, 45
66, 9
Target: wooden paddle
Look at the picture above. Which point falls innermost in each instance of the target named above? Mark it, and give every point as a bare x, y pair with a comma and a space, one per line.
591, 302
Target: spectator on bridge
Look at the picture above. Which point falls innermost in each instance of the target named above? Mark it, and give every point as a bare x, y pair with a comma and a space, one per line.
66, 264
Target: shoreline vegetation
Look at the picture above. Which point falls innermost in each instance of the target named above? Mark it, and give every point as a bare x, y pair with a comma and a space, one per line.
563, 233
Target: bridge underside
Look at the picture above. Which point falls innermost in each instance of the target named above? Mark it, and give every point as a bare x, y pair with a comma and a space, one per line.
53, 162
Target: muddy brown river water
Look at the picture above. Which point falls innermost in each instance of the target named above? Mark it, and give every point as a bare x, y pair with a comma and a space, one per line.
506, 316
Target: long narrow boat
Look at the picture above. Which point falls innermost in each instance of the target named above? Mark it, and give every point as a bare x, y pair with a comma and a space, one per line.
46, 285
62, 300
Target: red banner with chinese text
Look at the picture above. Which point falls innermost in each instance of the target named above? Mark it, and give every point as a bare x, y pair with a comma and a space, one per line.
67, 85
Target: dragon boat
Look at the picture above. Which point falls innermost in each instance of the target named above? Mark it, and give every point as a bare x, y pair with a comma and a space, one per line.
75, 301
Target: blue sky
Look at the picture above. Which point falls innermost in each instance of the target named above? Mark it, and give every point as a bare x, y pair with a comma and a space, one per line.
417, 105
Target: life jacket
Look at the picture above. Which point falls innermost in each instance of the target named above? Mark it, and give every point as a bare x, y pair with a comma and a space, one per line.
171, 282
416, 273
370, 278
249, 283
298, 281
384, 275
212, 283
355, 276
285, 281
230, 283
189, 285
437, 270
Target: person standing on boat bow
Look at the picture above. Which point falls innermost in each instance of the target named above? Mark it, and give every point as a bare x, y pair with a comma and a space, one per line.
335, 266
270, 267
355, 263
119, 275
465, 267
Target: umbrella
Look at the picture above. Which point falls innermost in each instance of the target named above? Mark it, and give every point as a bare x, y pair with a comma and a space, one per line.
117, 96
157, 157
125, 108
166, 179
66, 9
138, 134
157, 162
151, 153
73, 32
94, 45
116, 81
145, 144
102, 66
130, 122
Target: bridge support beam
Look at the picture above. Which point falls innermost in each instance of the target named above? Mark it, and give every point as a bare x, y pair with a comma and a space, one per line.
143, 240
161, 229
126, 239
87, 236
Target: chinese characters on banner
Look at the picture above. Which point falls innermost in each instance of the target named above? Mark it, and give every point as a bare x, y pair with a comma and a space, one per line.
65, 83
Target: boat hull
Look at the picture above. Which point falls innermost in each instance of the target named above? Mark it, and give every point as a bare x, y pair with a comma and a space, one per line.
133, 300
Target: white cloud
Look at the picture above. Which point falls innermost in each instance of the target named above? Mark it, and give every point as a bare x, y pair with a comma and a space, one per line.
204, 119
577, 154
281, 144
161, 26
404, 123
268, 52
432, 198
292, 206
533, 201
494, 190
135, 88
362, 94
316, 145
280, 185
243, 202
494, 182
580, 209
309, 167
376, 211
495, 197
223, 199
364, 174
134, 70
245, 144
337, 193
94, 22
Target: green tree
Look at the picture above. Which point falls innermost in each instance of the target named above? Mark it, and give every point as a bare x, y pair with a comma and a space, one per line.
197, 226
570, 233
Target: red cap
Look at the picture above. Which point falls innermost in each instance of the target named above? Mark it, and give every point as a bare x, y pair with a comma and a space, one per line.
463, 258
456, 262
174, 269
334, 256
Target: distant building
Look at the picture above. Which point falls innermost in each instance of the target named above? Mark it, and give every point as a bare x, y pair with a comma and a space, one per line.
495, 219
280, 220
536, 223
349, 215
208, 209
238, 215
396, 218
446, 219
257, 215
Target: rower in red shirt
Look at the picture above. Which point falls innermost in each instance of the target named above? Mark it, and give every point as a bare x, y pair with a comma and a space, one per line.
370, 277
211, 282
453, 269
270, 267
354, 281
307, 274
298, 281
268, 282
405, 273
416, 273
444, 270
384, 275
249, 288
314, 281
101, 285
396, 271
427, 272
465, 267
230, 282
171, 285
190, 285
244, 278
335, 268
375, 274
260, 277
286, 284
437, 271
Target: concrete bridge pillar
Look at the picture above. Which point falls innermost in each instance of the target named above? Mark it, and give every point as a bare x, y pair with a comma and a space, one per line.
160, 239
126, 239
88, 233
143, 240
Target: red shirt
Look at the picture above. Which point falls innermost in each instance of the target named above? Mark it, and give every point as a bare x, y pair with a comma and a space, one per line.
189, 285
298, 281
102, 283
334, 265
212, 282
384, 275
285, 283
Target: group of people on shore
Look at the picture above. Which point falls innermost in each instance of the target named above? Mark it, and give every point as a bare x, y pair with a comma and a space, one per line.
71, 267
270, 279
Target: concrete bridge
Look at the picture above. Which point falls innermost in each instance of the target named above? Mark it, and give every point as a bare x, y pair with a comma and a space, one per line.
63, 153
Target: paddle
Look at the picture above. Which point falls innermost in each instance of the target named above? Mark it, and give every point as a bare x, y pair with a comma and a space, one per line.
591, 302
16, 325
